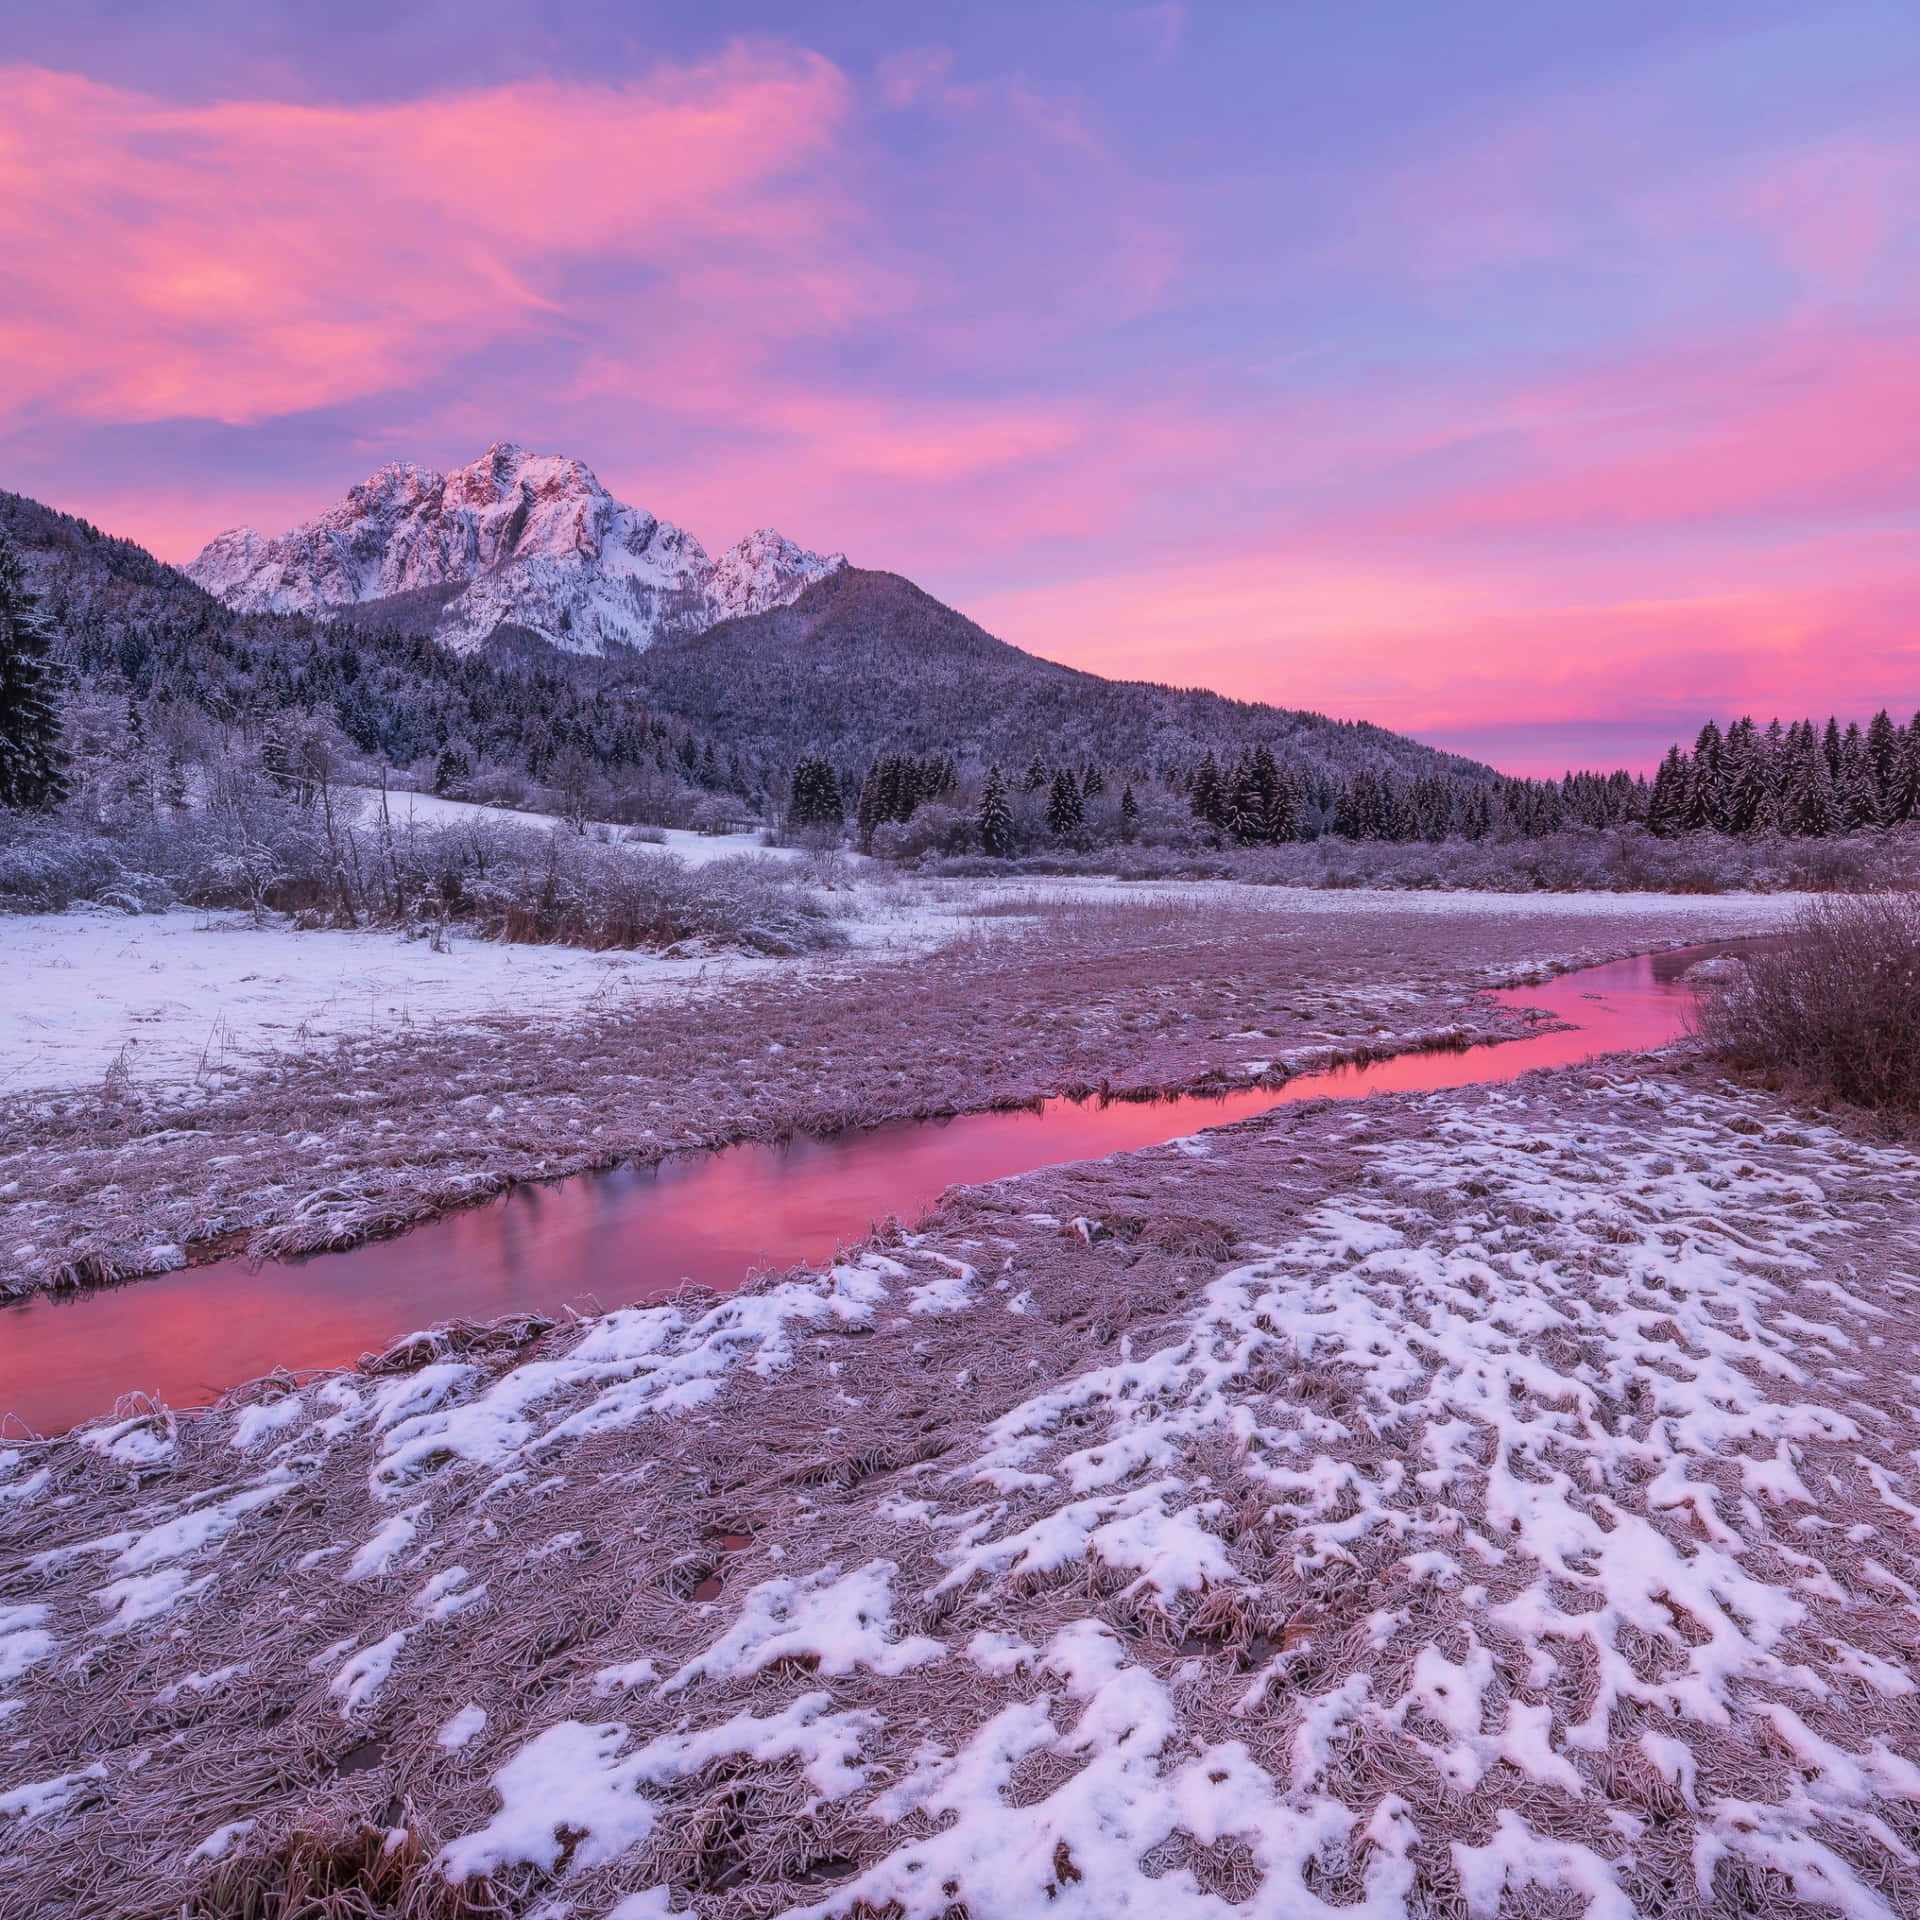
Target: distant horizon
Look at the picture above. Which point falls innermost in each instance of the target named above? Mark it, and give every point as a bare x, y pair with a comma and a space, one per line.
1534, 386
1537, 750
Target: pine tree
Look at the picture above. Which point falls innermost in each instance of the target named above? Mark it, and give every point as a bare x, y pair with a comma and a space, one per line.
867, 813
1476, 816
1883, 753
1905, 804
1206, 802
1035, 776
450, 767
1359, 813
32, 766
136, 759
1746, 796
1704, 805
816, 795
996, 817
1064, 809
1129, 814
1807, 804
1855, 804
1286, 819
1261, 802
1092, 781
1667, 807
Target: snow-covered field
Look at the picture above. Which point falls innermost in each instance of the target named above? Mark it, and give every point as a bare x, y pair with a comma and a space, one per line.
172, 996
691, 849
177, 994
1495, 1503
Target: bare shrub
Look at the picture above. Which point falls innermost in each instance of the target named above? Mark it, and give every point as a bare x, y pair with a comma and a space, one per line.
255, 848
1836, 1002
562, 888
47, 866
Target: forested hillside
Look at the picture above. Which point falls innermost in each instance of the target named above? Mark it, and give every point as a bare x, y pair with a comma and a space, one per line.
864, 663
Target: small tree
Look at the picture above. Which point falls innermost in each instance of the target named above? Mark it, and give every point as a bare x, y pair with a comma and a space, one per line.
1129, 813
572, 775
33, 769
816, 795
1207, 800
450, 767
1065, 810
996, 817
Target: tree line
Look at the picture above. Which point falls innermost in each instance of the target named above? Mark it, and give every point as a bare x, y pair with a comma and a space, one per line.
1795, 780
130, 632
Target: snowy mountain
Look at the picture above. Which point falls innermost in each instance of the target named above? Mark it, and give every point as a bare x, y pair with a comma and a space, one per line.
525, 540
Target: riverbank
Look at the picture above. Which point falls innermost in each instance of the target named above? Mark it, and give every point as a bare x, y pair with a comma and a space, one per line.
639, 1235
960, 999
1499, 1494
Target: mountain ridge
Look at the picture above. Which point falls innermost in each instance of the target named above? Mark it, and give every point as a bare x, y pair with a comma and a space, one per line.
858, 664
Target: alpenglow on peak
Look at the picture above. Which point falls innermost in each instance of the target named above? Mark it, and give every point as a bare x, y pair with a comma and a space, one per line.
517, 539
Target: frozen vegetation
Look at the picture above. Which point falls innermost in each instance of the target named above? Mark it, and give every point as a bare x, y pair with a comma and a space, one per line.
1492, 1502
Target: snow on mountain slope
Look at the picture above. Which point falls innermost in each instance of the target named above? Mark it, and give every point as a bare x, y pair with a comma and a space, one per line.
535, 540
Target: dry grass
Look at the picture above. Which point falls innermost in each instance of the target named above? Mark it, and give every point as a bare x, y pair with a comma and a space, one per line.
659, 1508
1835, 1004
1583, 860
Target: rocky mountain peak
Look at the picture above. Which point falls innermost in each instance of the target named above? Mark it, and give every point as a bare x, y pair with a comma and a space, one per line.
532, 541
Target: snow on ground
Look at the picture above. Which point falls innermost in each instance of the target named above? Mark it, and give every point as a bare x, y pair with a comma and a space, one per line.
176, 995
183, 992
1527, 1527
690, 848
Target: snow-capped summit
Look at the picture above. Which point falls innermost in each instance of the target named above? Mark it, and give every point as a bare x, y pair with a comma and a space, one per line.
528, 540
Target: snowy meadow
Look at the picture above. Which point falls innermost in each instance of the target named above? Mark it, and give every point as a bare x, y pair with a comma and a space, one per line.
1497, 1501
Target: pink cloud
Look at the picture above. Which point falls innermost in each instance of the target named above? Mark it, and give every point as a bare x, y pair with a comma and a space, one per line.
249, 258
1444, 640
1834, 208
1787, 421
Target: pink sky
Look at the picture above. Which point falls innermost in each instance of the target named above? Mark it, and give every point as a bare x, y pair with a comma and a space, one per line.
1544, 432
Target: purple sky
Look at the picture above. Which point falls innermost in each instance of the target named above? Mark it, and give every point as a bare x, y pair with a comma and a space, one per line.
1537, 380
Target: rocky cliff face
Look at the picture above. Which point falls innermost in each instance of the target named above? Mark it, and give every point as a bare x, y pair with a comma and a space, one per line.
533, 541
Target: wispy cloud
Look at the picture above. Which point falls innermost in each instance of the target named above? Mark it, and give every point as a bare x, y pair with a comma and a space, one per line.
250, 258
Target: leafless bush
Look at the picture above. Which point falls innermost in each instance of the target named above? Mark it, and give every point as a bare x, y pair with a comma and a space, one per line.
565, 889
1836, 1003
358, 1872
252, 847
47, 866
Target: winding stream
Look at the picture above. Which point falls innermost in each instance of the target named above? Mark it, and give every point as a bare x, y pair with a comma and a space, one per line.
635, 1234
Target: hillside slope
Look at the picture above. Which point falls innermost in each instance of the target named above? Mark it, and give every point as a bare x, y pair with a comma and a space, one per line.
861, 663
865, 662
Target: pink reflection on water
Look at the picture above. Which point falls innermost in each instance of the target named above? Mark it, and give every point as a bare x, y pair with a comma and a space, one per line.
634, 1235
